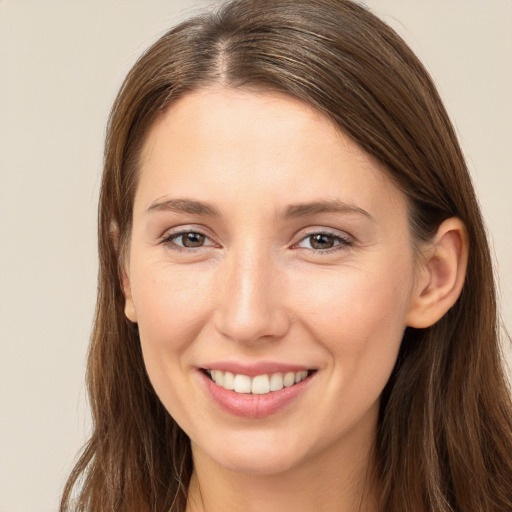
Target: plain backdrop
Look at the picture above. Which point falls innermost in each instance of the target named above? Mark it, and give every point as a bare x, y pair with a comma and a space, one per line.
61, 63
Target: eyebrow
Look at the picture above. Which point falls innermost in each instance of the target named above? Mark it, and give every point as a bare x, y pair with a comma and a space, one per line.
185, 206
327, 206
292, 211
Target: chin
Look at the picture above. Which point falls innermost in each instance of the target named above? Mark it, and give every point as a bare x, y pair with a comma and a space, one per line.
254, 456
257, 465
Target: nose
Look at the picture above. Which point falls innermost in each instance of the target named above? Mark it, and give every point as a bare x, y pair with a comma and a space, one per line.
250, 304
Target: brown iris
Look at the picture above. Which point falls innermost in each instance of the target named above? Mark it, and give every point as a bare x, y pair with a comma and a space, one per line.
192, 239
322, 241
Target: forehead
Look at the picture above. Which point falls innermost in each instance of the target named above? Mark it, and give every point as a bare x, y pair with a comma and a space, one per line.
230, 144
241, 119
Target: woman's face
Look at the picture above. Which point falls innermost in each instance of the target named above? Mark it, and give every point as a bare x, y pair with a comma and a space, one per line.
266, 248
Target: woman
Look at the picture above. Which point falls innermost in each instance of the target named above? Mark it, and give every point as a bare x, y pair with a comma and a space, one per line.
296, 305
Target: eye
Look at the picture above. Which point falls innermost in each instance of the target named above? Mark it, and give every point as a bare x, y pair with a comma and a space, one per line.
187, 240
324, 242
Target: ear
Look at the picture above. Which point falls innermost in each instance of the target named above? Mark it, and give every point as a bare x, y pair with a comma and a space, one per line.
440, 276
129, 307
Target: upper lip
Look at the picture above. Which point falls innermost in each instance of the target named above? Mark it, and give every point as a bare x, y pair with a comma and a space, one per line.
255, 368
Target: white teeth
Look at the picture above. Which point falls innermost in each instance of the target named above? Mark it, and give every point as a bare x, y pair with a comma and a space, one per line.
300, 376
289, 379
276, 381
242, 384
218, 377
228, 383
258, 385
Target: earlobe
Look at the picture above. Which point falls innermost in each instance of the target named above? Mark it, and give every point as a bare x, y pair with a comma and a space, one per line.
441, 275
129, 307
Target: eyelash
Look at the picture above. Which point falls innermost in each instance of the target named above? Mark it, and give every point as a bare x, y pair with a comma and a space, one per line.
169, 240
342, 242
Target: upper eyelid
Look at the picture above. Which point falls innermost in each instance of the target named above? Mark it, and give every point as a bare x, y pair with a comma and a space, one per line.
304, 233
169, 236
326, 233
178, 230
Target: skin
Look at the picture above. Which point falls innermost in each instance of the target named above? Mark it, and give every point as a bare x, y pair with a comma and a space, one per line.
259, 289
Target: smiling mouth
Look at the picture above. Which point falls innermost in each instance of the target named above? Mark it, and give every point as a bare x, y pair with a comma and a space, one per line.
259, 384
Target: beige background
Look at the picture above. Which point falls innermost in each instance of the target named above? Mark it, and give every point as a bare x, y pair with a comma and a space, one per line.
61, 62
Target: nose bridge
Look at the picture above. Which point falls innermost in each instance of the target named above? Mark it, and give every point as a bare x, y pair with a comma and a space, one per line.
250, 301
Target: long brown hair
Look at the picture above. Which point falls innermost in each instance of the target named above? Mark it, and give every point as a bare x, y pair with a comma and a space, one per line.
444, 440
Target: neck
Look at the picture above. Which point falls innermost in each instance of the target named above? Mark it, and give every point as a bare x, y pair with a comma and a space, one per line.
339, 479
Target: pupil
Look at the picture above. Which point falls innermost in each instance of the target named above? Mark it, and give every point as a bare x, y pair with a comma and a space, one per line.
322, 241
193, 240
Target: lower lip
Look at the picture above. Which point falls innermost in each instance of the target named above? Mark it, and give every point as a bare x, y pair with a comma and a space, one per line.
248, 405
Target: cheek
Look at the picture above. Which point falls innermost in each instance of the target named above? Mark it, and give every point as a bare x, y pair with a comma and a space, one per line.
359, 317
361, 302
171, 305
